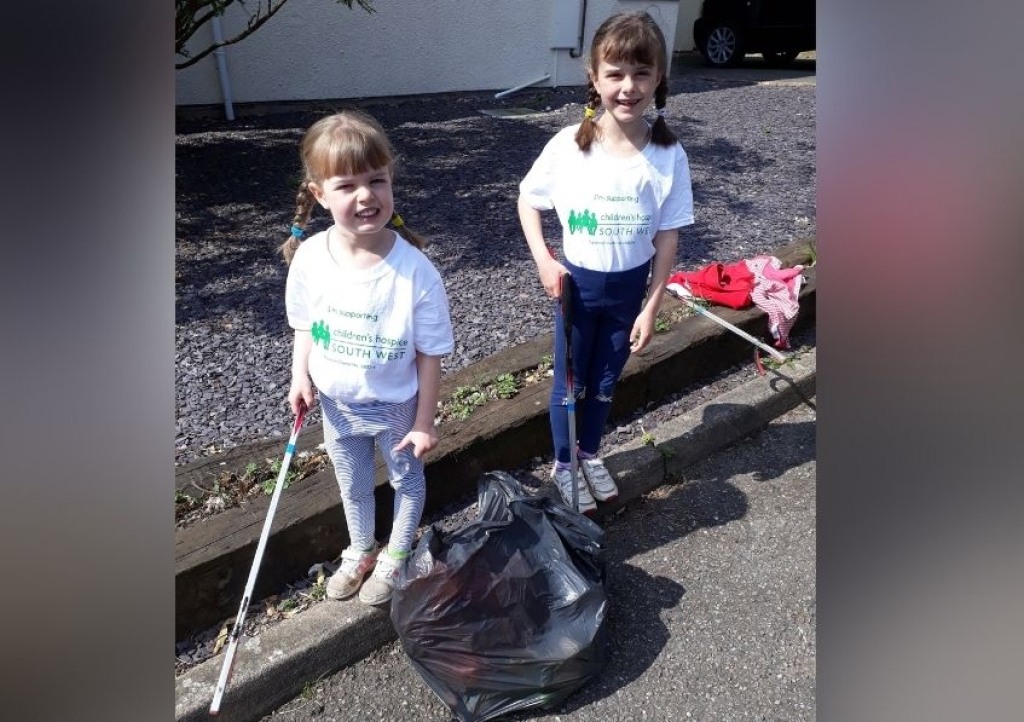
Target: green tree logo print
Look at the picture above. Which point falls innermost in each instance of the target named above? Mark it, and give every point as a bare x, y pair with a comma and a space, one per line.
321, 333
585, 220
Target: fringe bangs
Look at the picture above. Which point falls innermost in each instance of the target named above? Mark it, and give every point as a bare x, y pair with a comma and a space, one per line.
348, 147
635, 45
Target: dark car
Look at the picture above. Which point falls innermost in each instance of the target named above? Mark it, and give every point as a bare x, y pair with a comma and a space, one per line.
778, 29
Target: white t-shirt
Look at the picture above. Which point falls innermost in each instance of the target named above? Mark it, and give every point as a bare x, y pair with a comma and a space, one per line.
610, 207
367, 325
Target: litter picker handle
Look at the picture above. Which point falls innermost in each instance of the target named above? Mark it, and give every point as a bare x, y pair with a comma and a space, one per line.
236, 632
565, 301
778, 355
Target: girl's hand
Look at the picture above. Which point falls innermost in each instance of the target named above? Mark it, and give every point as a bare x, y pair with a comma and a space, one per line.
301, 395
643, 331
422, 440
551, 272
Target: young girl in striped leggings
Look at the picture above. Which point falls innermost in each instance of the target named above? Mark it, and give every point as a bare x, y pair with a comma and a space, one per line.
371, 323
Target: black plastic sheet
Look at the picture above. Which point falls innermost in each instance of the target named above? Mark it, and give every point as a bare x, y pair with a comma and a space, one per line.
508, 612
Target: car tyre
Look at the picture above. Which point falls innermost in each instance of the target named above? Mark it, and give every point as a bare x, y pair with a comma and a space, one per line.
780, 59
723, 46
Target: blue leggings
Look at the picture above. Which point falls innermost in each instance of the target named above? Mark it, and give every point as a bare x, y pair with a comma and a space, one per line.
604, 308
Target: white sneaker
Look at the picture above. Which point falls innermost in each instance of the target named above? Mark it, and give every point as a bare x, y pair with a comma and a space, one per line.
381, 585
355, 565
563, 480
599, 479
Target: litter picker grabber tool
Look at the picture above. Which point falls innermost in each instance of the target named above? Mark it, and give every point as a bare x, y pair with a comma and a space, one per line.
686, 297
236, 631
565, 300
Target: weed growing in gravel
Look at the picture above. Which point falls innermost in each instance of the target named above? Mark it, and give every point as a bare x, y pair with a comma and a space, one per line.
505, 386
231, 488
318, 592
542, 370
463, 402
270, 482
702, 302
667, 318
770, 362
465, 399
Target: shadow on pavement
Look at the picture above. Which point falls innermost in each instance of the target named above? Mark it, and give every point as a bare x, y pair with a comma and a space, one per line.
639, 601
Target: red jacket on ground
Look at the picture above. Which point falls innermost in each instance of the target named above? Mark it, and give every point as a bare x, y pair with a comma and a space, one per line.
726, 285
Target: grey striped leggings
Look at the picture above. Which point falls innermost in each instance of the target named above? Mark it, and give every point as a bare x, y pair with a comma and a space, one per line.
350, 431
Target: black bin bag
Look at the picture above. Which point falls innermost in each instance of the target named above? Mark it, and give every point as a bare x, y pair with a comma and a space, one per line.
508, 612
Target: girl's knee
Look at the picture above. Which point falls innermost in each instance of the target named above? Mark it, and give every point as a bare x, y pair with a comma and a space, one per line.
605, 390
413, 484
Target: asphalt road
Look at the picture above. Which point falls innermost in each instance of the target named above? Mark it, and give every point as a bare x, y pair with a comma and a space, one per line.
712, 606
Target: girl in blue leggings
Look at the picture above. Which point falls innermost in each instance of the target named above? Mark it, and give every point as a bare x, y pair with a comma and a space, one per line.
621, 188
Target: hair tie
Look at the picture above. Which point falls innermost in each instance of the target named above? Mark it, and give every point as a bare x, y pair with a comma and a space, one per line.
297, 232
589, 112
661, 112
396, 221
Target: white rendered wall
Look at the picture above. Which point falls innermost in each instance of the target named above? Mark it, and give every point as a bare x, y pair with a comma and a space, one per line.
318, 49
689, 11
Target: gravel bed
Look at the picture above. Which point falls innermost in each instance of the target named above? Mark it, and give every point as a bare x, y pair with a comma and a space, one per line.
752, 159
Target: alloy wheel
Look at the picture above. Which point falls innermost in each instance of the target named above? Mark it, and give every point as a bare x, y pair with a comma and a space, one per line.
721, 45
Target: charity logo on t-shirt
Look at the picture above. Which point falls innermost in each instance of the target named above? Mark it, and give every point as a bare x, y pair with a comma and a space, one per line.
353, 338
618, 219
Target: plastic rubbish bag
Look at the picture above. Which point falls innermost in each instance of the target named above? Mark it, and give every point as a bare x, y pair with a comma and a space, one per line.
508, 612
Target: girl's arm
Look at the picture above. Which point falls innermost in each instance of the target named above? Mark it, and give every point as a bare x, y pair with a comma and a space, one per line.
301, 391
423, 435
665, 244
550, 270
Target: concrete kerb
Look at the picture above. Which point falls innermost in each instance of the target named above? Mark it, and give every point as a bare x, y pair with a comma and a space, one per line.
276, 666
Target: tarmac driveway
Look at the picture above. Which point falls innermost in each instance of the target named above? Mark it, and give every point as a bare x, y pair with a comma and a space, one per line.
712, 603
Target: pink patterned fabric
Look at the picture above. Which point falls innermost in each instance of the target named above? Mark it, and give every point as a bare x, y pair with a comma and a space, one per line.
776, 292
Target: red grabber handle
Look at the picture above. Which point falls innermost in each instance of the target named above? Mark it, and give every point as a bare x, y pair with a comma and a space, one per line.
563, 288
297, 424
564, 300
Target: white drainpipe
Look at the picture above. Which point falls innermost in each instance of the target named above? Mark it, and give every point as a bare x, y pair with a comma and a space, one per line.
222, 70
503, 93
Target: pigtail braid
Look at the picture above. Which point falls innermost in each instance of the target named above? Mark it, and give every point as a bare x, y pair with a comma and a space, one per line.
407, 233
304, 203
588, 130
660, 133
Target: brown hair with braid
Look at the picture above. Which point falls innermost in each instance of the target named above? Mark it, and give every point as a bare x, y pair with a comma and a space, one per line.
346, 143
628, 37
